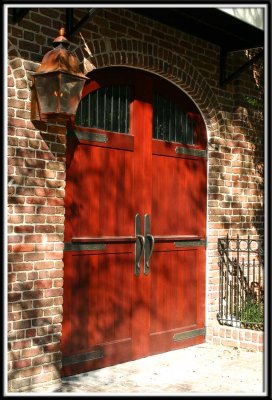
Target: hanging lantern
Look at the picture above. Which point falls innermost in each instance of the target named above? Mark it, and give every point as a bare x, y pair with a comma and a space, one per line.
57, 84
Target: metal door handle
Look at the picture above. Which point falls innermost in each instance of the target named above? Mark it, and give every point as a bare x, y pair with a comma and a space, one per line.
148, 256
139, 251
139, 245
149, 244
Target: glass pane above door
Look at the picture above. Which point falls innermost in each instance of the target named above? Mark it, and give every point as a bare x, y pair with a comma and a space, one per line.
170, 122
106, 108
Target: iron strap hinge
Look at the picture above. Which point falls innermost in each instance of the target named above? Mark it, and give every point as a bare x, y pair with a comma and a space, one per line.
191, 243
189, 334
83, 246
191, 152
79, 358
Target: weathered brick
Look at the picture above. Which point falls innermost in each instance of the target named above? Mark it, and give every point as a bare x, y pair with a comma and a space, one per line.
22, 344
30, 372
43, 284
40, 360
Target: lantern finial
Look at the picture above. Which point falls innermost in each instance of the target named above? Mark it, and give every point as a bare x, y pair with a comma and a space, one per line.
61, 39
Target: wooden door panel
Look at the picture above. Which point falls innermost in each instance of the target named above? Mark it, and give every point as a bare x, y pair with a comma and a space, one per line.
97, 314
173, 290
177, 295
178, 195
102, 181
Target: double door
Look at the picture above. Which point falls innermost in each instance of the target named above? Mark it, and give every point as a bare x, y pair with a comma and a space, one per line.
135, 222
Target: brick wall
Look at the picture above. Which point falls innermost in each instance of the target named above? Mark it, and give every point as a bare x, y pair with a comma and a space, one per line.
36, 170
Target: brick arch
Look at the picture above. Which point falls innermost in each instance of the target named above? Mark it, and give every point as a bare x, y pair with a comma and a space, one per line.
155, 59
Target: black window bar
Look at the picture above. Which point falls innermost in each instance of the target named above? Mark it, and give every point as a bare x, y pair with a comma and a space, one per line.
106, 108
170, 122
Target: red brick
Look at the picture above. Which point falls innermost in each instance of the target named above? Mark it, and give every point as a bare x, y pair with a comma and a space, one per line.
35, 219
31, 372
43, 284
45, 228
14, 316
40, 360
35, 351
43, 303
33, 294
58, 283
22, 344
55, 202
51, 347
53, 292
46, 377
31, 314
23, 248
43, 265
46, 210
15, 239
31, 333
24, 229
34, 256
33, 239
21, 364
22, 267
21, 286
14, 296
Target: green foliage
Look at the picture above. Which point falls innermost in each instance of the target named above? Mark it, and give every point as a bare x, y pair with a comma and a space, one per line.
253, 102
252, 311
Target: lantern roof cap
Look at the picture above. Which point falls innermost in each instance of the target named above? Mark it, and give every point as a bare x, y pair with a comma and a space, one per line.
60, 59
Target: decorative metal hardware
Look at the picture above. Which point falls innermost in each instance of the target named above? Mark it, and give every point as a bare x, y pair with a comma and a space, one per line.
191, 243
241, 285
57, 84
70, 27
93, 137
224, 79
99, 243
83, 246
149, 244
191, 152
79, 358
189, 334
139, 245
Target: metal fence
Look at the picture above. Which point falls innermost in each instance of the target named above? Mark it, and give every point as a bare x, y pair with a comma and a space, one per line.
241, 287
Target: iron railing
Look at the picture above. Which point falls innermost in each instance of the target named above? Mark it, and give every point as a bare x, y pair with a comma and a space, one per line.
241, 285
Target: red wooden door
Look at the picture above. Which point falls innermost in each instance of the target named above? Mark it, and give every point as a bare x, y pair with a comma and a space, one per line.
130, 193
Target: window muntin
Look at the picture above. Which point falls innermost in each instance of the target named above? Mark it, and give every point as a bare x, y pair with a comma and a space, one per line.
170, 122
106, 108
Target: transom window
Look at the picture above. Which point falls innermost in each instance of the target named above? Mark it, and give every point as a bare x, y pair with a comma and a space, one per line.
170, 122
106, 108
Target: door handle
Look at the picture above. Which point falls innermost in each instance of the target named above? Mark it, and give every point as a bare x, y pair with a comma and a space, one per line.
139, 251
149, 244
139, 245
149, 253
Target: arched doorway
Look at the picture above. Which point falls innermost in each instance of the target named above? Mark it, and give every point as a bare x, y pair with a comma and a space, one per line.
135, 224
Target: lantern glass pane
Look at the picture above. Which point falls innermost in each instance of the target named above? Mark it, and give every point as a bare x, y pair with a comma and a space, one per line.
47, 88
70, 93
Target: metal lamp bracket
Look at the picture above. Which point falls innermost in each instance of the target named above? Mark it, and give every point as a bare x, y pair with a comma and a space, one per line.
223, 62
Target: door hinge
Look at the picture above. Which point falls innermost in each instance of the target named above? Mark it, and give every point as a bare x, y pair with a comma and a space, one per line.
189, 334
